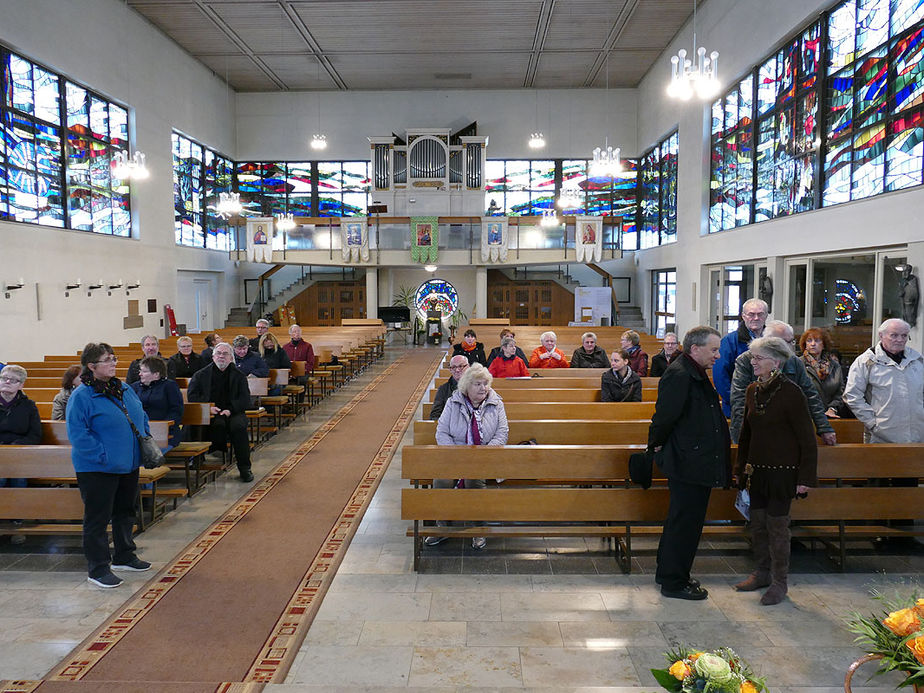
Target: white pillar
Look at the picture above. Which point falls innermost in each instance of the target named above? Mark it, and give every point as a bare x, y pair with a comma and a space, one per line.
372, 292
481, 292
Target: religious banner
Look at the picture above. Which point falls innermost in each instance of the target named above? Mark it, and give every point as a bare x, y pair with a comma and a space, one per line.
354, 239
494, 239
424, 239
260, 239
588, 238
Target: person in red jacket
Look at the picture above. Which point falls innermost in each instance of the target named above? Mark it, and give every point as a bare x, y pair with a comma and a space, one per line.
299, 350
548, 355
508, 364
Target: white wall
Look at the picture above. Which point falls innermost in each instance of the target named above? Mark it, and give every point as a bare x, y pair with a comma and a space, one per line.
574, 122
114, 51
884, 220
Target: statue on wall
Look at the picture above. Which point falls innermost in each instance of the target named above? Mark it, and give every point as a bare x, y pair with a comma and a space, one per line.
765, 290
909, 294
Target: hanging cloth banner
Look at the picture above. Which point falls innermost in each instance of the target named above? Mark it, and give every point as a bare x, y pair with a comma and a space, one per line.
260, 239
494, 239
354, 240
588, 238
425, 233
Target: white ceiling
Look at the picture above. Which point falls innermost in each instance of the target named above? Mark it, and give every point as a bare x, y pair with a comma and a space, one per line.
268, 45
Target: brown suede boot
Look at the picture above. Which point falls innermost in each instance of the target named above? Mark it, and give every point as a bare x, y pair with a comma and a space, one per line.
759, 542
779, 534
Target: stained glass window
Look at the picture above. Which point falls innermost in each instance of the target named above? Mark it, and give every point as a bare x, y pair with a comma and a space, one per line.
436, 294
200, 175
730, 188
875, 88
343, 188
658, 192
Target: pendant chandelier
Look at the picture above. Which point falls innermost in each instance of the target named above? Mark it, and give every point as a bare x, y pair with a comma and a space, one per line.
606, 160
285, 222
229, 205
698, 76
124, 167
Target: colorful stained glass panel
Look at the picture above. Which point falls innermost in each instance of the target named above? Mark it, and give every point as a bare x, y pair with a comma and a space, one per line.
872, 88
872, 24
839, 119
908, 69
842, 31
905, 14
868, 163
47, 95
905, 153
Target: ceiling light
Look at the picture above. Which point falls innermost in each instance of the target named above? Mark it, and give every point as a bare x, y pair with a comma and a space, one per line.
688, 77
318, 141
606, 161
570, 198
285, 222
536, 141
124, 167
431, 268
549, 219
229, 205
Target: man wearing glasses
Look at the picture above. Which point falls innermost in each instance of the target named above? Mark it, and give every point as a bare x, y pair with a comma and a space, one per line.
458, 364
793, 369
754, 314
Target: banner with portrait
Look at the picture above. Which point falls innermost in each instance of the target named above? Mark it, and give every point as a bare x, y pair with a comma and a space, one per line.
494, 239
588, 238
354, 239
260, 239
425, 237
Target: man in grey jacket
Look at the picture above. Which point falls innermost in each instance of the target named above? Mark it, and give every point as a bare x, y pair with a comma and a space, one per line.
458, 364
793, 369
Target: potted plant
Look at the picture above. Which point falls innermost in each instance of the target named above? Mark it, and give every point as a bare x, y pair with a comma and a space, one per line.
455, 322
406, 296
894, 637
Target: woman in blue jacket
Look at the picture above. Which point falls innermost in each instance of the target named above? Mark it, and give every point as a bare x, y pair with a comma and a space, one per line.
161, 398
106, 457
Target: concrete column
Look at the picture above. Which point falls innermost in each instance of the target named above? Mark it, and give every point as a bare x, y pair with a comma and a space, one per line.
481, 292
372, 292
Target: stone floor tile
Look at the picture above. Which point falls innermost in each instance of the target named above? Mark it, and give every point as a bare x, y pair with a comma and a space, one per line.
466, 606
609, 634
474, 583
513, 634
359, 582
341, 633
353, 667
31, 660
646, 603
410, 634
466, 666
553, 606
713, 634
380, 606
577, 666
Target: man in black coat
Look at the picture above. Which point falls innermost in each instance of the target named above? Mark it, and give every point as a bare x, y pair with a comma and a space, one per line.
665, 357
149, 347
457, 366
222, 384
689, 436
185, 362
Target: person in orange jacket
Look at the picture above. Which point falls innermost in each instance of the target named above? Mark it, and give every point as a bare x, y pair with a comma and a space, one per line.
548, 355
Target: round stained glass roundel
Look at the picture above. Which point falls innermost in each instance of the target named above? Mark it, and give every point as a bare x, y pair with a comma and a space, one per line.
436, 294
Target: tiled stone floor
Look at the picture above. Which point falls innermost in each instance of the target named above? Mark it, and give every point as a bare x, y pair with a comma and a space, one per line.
521, 615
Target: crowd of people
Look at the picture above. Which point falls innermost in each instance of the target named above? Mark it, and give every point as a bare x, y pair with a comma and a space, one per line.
105, 416
779, 397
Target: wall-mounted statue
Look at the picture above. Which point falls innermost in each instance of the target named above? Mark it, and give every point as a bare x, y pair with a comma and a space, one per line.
765, 290
909, 294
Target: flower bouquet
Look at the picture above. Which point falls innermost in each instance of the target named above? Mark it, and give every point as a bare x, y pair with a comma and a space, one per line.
697, 671
895, 637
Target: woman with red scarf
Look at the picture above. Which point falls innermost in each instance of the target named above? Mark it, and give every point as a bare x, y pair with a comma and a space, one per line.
470, 348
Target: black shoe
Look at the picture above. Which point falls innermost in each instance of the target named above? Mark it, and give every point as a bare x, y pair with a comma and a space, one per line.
136, 565
246, 475
107, 581
691, 592
693, 582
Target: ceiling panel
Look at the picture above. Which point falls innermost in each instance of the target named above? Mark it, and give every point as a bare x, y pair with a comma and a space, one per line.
421, 44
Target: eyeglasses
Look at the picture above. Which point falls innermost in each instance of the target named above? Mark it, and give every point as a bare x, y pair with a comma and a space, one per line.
113, 359
457, 368
754, 316
757, 357
9, 379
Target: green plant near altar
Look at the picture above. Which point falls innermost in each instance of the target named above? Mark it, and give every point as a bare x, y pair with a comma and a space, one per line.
703, 671
894, 635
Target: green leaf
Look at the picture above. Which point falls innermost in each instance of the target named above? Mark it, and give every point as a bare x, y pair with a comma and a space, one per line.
666, 680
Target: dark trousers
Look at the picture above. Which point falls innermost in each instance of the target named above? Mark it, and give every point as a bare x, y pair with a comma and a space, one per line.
682, 531
775, 507
233, 428
108, 498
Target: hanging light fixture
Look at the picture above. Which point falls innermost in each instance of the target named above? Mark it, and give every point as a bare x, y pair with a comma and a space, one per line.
606, 160
688, 77
549, 219
319, 139
285, 222
570, 198
124, 167
537, 139
229, 205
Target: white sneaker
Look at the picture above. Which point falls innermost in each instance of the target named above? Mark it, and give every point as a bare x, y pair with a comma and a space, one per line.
433, 541
479, 543
17, 539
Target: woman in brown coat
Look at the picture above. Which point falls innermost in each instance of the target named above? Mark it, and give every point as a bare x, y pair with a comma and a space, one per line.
777, 461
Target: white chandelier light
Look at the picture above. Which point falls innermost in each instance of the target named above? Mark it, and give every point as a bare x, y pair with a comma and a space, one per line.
688, 77
431, 268
606, 161
285, 222
124, 167
318, 141
549, 219
229, 205
570, 198
536, 141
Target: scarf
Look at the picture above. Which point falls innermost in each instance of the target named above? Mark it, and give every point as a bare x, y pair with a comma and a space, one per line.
110, 388
468, 347
474, 433
821, 365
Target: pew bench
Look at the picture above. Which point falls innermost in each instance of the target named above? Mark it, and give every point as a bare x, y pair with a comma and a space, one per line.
583, 490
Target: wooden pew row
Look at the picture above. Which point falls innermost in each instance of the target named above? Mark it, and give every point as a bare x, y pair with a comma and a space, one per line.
615, 510
576, 373
608, 411
549, 391
622, 432
49, 508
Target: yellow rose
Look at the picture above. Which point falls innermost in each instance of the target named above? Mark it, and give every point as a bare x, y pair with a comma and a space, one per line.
679, 670
747, 687
917, 648
693, 657
903, 622
919, 607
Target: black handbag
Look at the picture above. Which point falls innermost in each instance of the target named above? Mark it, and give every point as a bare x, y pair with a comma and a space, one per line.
151, 455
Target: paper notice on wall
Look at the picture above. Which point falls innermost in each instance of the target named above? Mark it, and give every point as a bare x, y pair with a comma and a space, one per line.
598, 299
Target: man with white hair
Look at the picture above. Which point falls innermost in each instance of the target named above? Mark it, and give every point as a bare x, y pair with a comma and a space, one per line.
458, 364
885, 388
262, 328
793, 369
754, 314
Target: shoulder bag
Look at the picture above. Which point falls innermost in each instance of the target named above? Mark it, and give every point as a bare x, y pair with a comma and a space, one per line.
151, 455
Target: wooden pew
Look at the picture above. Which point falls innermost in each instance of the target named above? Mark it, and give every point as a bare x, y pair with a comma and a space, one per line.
608, 411
619, 511
584, 431
55, 432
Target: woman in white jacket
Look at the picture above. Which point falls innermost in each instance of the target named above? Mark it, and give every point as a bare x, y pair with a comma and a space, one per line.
474, 415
